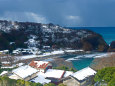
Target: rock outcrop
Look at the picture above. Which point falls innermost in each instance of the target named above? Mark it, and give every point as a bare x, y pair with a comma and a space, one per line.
112, 47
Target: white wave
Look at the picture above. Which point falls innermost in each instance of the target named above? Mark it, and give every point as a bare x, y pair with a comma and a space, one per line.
95, 55
71, 59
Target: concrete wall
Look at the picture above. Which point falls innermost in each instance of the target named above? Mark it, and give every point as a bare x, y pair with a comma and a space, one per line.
31, 77
71, 82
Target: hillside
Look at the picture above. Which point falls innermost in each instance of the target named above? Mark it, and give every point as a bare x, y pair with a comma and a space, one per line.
27, 34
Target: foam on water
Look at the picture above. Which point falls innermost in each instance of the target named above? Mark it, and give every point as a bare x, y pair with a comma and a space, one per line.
97, 55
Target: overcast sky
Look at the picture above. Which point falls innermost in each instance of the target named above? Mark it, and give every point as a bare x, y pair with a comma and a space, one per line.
88, 13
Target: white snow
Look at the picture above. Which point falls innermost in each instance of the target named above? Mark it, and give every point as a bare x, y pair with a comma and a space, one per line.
20, 64
41, 78
26, 57
42, 55
82, 74
24, 71
57, 52
4, 72
54, 73
5, 62
67, 73
72, 50
9, 66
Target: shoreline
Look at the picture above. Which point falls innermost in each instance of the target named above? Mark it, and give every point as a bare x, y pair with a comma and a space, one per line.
67, 57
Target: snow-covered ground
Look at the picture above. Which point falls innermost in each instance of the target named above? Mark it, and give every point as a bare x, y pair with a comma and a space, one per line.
42, 55
57, 52
9, 67
71, 51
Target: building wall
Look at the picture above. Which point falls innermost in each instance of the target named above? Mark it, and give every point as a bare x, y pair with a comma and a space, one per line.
88, 81
71, 82
14, 76
31, 77
49, 66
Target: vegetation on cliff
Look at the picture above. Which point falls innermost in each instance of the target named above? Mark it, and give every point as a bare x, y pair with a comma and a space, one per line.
94, 42
106, 75
25, 34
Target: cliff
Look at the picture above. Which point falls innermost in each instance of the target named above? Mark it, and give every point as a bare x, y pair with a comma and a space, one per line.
28, 34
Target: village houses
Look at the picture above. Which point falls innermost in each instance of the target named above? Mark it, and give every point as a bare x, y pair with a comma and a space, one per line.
42, 72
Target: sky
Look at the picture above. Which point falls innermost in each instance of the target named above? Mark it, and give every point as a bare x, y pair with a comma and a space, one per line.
67, 13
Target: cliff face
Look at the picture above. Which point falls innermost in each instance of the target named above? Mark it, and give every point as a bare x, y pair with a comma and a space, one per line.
28, 34
112, 47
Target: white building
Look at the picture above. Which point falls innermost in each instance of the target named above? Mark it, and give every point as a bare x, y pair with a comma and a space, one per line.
24, 72
80, 78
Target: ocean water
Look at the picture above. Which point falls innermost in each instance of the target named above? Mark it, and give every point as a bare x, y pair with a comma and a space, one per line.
108, 33
80, 62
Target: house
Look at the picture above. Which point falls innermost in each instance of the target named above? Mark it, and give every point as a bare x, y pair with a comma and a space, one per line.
40, 79
4, 52
41, 66
46, 47
24, 72
81, 78
54, 75
17, 51
51, 75
4, 73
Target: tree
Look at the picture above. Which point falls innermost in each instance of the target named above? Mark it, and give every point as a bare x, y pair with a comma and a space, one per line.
72, 69
112, 82
0, 61
0, 64
107, 75
61, 84
5, 81
50, 84
65, 68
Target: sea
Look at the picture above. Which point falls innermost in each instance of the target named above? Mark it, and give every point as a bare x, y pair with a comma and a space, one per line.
81, 61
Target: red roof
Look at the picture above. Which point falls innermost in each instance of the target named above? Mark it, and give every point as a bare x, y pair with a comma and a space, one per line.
36, 64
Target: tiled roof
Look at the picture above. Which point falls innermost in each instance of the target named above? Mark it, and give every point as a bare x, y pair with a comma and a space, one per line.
39, 64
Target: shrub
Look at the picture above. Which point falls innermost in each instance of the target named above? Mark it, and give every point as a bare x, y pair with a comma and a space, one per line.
107, 75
